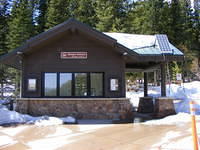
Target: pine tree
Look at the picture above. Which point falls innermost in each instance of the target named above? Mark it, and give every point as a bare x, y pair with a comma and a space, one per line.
137, 18
175, 69
84, 11
21, 25
111, 14
3, 48
154, 13
149, 17
175, 23
196, 33
3, 25
41, 19
57, 12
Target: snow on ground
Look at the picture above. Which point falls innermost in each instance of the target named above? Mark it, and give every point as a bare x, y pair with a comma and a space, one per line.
173, 140
9, 117
178, 119
176, 139
5, 140
184, 92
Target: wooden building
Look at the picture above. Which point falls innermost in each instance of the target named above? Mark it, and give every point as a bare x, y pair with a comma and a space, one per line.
73, 69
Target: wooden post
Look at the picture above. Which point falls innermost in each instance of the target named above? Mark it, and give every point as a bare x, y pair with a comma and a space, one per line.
155, 78
145, 84
163, 80
20, 55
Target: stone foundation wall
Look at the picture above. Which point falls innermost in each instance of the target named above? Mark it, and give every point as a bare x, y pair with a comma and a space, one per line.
114, 109
164, 106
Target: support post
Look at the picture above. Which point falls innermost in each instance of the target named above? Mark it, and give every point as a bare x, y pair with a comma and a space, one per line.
155, 78
20, 55
145, 84
163, 80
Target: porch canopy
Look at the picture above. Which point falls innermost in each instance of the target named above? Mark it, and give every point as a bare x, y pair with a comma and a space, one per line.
140, 52
154, 51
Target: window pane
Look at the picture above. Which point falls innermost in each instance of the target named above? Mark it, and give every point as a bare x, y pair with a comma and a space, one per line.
80, 84
32, 84
50, 84
96, 80
65, 84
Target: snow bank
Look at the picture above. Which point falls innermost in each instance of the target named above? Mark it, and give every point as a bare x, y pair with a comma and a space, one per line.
178, 119
5, 140
176, 138
4, 101
68, 119
9, 117
184, 92
46, 120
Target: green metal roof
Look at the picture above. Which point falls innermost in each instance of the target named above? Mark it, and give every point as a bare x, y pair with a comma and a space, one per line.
143, 44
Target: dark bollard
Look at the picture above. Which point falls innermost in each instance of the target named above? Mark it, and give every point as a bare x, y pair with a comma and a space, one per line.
146, 105
11, 104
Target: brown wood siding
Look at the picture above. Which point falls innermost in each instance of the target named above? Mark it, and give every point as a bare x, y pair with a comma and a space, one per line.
101, 58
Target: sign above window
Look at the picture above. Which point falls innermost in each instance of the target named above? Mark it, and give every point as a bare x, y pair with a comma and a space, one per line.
73, 55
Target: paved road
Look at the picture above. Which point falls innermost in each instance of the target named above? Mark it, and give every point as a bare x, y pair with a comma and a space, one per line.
94, 137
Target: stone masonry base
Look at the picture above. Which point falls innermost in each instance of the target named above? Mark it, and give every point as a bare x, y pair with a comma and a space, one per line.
87, 108
164, 106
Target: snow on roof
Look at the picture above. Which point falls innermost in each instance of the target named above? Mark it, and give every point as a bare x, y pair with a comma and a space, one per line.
142, 44
133, 41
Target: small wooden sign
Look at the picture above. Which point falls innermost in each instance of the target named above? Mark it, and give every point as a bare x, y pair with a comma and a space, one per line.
73, 55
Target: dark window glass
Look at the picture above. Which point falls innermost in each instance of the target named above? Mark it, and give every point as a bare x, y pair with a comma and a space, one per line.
50, 85
96, 84
65, 84
80, 84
